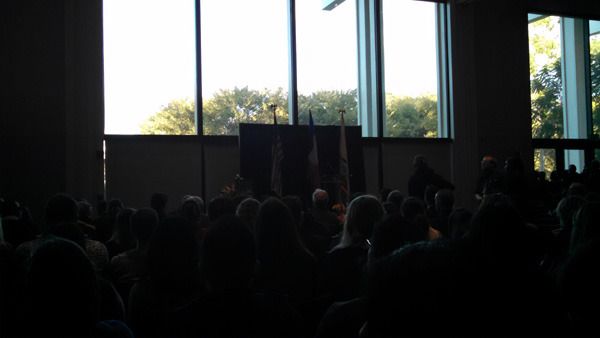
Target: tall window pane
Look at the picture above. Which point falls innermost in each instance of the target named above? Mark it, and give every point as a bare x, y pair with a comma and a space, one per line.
410, 63
545, 77
327, 62
595, 74
244, 63
149, 66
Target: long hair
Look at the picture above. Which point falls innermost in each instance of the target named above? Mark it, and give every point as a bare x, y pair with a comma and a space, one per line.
363, 212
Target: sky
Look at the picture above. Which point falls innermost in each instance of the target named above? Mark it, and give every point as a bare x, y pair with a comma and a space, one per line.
149, 51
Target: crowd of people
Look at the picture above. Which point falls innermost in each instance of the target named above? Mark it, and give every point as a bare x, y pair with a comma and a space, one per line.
525, 262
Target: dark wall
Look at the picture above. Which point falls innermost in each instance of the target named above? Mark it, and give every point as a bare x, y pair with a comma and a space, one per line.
44, 129
33, 110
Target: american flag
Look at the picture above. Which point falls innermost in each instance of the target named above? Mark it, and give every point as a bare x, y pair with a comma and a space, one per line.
344, 171
276, 156
314, 179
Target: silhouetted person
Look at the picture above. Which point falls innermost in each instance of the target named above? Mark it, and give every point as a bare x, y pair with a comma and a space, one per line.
15, 229
220, 206
444, 204
172, 281
321, 213
585, 226
105, 224
129, 267
396, 198
158, 202
491, 178
286, 266
343, 267
63, 294
122, 238
413, 210
230, 307
423, 176
247, 211
459, 223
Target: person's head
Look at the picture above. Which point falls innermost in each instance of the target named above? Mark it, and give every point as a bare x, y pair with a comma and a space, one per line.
191, 208
498, 231
158, 202
114, 207
220, 206
276, 233
414, 284
143, 224
577, 189
123, 226
420, 162
444, 200
320, 199
489, 163
61, 208
396, 197
247, 211
84, 211
362, 215
228, 255
572, 169
566, 210
62, 290
412, 208
173, 255
459, 223
393, 232
585, 226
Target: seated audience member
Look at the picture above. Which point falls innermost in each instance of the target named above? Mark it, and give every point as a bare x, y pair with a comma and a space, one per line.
62, 297
230, 307
247, 211
321, 213
122, 239
459, 223
128, 267
172, 280
105, 224
285, 265
579, 289
577, 189
585, 226
429, 199
220, 206
15, 229
158, 202
559, 245
423, 176
61, 209
343, 267
444, 203
411, 293
413, 210
396, 198
491, 178
192, 209
392, 233
85, 220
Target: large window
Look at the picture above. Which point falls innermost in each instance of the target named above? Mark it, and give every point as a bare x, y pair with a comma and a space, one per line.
149, 66
410, 63
564, 57
244, 63
327, 65
545, 77
239, 58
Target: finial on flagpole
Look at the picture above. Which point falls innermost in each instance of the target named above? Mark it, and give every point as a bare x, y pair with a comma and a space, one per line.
342, 111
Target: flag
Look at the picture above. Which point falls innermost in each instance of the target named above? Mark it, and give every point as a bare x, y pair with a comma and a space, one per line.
276, 158
314, 179
344, 171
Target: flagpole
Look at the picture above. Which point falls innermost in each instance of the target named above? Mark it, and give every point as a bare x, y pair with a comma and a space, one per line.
344, 187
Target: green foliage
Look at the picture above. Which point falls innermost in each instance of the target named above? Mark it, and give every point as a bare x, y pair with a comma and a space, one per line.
411, 116
407, 116
176, 118
325, 106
